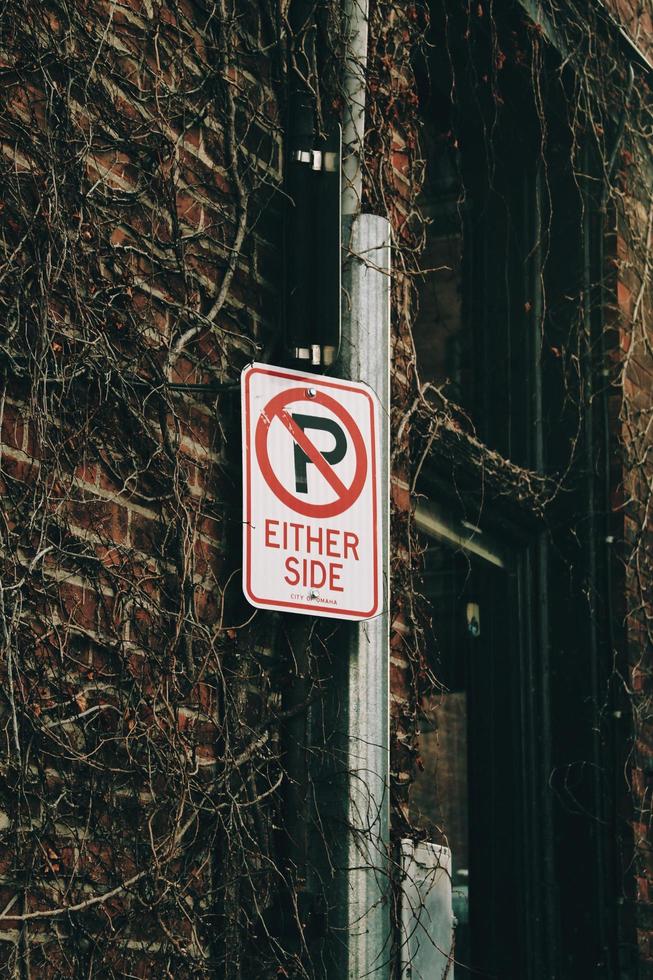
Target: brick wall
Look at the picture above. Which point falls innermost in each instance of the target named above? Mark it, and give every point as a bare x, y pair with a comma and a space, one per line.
631, 404
140, 142
141, 151
637, 19
142, 796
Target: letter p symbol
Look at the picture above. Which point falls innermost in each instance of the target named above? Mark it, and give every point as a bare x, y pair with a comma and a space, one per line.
331, 456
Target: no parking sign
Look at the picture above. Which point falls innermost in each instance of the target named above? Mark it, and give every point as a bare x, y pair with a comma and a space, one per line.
311, 508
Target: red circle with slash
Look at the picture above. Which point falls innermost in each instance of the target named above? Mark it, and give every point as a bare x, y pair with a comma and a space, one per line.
346, 496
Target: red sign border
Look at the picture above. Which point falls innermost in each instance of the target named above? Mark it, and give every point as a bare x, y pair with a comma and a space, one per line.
316, 381
261, 432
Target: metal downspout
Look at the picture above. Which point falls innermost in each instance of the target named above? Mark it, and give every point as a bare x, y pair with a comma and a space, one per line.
365, 356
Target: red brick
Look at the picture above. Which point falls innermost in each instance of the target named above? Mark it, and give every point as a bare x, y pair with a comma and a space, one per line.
189, 211
103, 517
13, 427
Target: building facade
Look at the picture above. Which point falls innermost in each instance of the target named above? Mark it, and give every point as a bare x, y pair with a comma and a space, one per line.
449, 198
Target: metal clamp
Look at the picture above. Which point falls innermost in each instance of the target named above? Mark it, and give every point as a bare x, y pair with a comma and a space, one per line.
313, 157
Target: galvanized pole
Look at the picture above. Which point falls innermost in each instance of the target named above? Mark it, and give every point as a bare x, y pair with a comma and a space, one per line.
365, 356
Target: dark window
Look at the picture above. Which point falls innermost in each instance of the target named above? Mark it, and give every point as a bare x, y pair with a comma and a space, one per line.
471, 793
502, 286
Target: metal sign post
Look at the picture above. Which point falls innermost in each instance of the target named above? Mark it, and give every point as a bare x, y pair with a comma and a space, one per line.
366, 743
312, 513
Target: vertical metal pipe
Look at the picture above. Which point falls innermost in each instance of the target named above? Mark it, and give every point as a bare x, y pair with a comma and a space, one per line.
365, 357
356, 16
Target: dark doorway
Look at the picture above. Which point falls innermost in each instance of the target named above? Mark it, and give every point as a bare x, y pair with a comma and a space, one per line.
470, 794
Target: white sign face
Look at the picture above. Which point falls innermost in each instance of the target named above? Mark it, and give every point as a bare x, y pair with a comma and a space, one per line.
311, 508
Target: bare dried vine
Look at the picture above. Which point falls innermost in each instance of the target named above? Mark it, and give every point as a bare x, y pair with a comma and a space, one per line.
139, 146
144, 708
